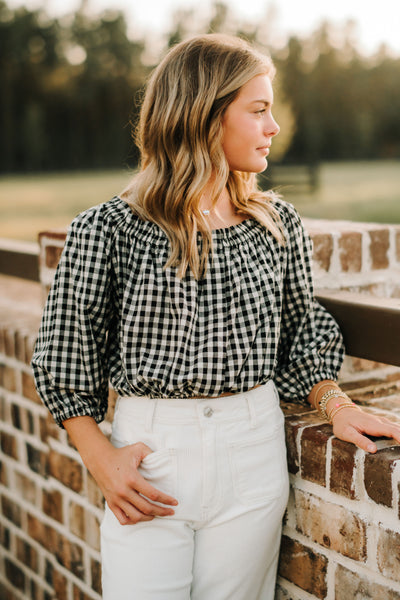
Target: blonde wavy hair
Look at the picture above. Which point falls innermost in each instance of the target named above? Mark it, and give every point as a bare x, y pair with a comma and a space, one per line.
179, 136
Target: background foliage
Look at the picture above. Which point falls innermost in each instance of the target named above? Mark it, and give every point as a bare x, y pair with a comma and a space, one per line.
71, 86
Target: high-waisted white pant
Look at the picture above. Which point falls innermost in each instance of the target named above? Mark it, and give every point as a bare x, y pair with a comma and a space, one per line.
224, 460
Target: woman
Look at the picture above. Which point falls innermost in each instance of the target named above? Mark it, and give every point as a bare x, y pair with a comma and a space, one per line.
192, 293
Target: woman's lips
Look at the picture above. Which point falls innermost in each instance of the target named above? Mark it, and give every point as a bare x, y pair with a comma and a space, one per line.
264, 149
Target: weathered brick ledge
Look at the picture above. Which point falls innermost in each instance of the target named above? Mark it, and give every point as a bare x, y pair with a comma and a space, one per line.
341, 536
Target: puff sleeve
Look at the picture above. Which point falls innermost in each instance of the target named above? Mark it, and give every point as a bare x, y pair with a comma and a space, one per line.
70, 356
311, 345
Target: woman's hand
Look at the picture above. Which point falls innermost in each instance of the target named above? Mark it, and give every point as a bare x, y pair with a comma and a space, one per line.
123, 487
353, 425
116, 473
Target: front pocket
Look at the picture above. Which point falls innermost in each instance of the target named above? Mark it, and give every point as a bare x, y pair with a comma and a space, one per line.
258, 466
159, 468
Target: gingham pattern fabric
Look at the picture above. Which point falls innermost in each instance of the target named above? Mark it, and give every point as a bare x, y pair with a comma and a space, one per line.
114, 313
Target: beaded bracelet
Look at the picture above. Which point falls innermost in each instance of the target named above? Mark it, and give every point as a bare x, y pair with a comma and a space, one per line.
332, 393
340, 407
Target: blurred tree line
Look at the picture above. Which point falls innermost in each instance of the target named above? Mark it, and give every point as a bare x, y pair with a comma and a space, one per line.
69, 88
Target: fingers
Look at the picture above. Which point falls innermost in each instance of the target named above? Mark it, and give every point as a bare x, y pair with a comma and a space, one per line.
146, 489
128, 515
134, 499
130, 507
350, 425
360, 440
139, 483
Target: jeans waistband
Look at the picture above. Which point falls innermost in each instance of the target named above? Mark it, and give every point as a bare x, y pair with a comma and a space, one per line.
183, 410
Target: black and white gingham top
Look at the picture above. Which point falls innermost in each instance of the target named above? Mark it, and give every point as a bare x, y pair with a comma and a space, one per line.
114, 313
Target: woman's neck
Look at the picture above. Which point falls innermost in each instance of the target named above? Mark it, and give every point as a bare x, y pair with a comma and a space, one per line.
223, 213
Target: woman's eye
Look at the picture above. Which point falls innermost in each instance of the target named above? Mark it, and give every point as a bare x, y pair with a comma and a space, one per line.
260, 112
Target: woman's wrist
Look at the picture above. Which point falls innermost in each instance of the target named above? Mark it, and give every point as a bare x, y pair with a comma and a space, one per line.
329, 399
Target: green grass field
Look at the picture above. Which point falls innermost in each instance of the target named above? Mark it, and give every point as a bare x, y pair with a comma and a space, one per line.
358, 191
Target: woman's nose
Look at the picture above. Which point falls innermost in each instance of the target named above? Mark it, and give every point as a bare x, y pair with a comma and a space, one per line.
273, 127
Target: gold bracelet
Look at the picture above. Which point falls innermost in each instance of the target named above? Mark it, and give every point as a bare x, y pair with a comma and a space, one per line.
332, 393
341, 407
320, 386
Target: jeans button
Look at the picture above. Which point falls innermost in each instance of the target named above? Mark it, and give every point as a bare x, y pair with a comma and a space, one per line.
208, 411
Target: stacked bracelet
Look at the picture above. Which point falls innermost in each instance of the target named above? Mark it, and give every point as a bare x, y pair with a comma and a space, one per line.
320, 387
332, 393
339, 407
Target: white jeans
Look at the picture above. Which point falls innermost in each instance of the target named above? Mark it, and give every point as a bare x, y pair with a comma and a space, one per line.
224, 460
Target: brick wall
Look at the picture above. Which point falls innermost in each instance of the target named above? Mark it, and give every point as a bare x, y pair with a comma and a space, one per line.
341, 536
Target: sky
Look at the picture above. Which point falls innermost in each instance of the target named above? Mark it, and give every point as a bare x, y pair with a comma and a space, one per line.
376, 22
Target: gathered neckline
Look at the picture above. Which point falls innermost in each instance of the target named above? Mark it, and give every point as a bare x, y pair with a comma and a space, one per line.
151, 233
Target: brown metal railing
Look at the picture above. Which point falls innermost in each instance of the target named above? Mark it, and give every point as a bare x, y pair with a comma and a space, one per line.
370, 325
19, 259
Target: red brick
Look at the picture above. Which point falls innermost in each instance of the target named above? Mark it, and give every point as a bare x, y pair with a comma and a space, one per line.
29, 346
9, 342
59, 585
27, 554
37, 530
388, 554
20, 346
8, 378
353, 585
67, 553
5, 537
80, 595
343, 468
293, 424
379, 246
93, 492
35, 592
92, 530
3, 407
313, 453
84, 525
9, 445
331, 525
378, 471
303, 567
67, 470
95, 571
22, 419
29, 389
350, 251
7, 594
48, 428
3, 474
14, 574
77, 519
52, 505
37, 459
11, 510
25, 487
323, 249
362, 364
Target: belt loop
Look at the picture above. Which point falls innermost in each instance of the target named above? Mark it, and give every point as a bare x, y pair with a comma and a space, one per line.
252, 411
148, 424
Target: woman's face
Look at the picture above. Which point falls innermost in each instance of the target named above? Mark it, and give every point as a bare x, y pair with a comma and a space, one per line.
248, 126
